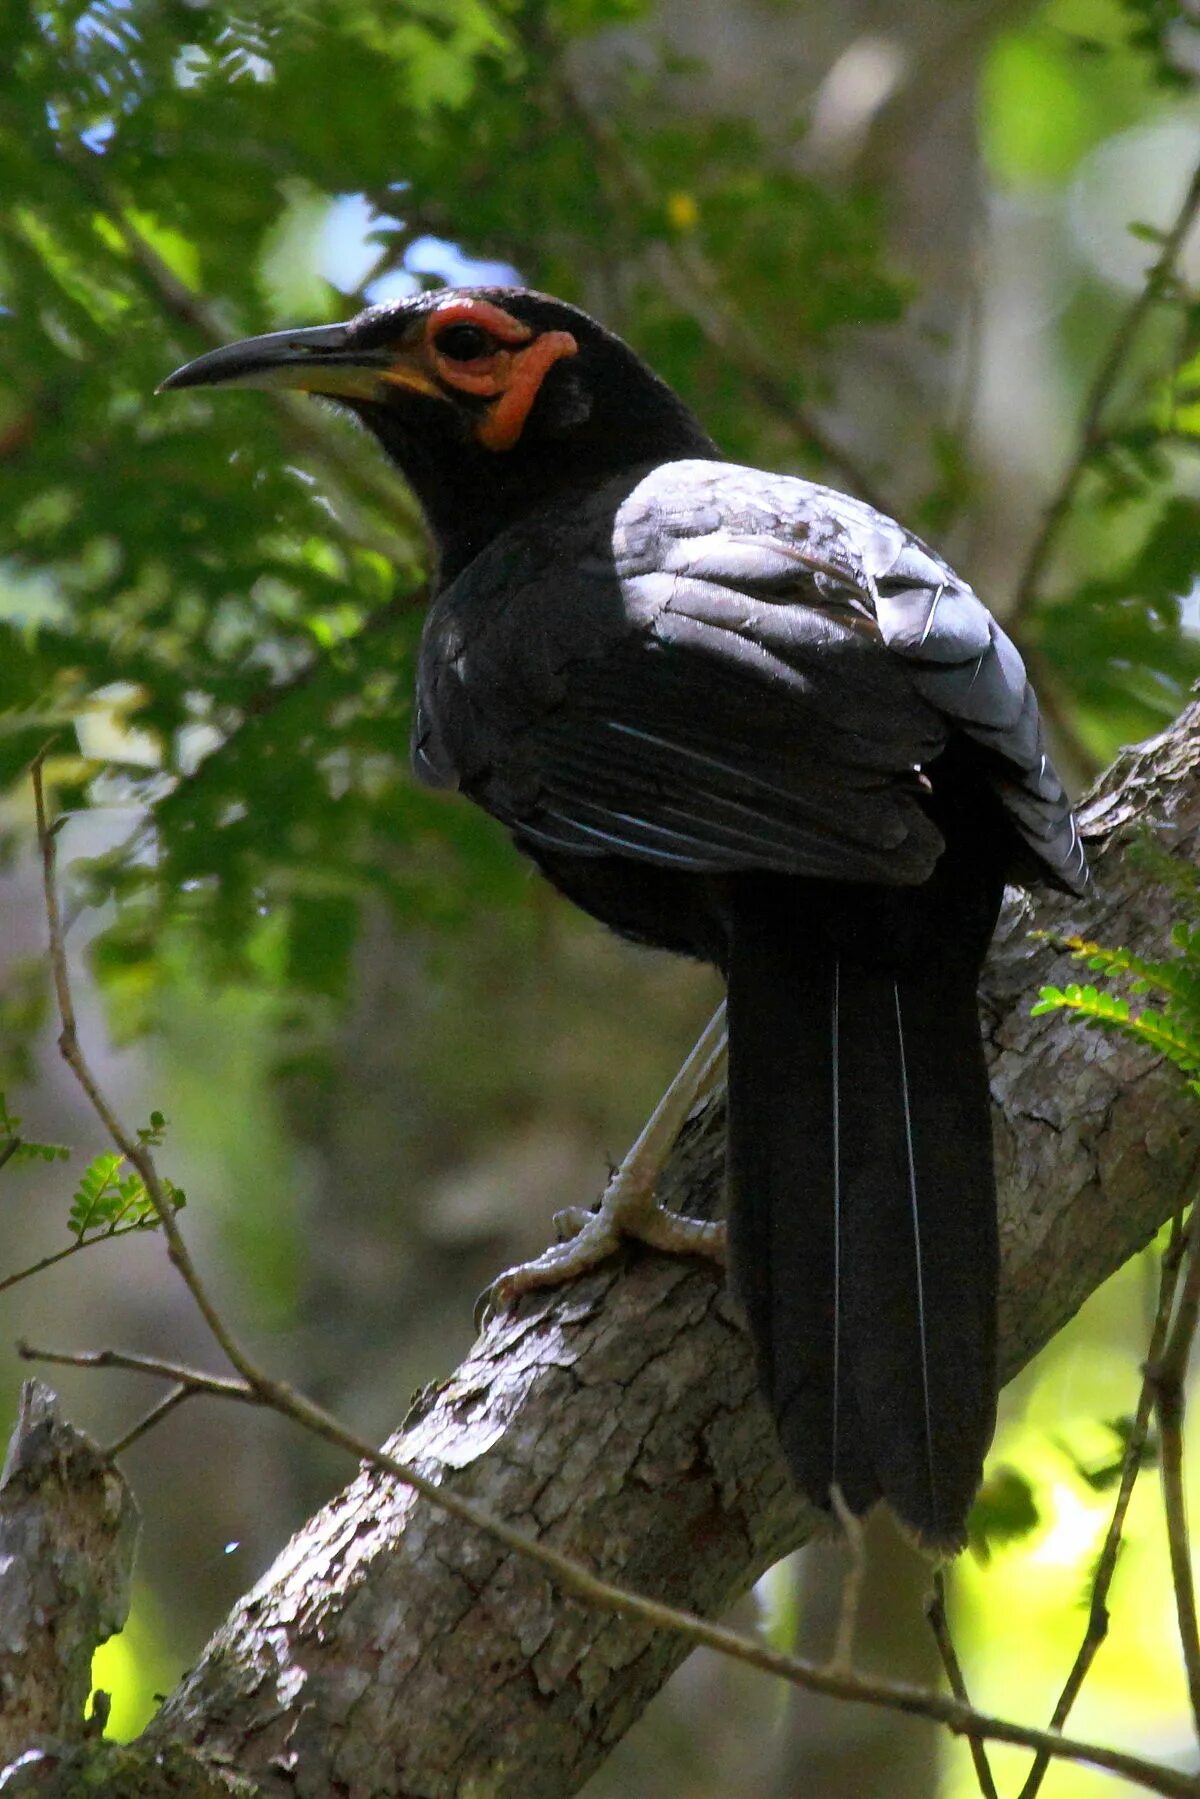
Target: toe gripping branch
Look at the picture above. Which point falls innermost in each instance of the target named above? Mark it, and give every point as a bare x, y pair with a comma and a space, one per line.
628, 1207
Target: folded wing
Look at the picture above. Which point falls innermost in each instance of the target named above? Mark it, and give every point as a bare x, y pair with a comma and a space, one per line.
751, 672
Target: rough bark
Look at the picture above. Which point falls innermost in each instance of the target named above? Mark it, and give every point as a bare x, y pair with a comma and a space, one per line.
68, 1529
390, 1651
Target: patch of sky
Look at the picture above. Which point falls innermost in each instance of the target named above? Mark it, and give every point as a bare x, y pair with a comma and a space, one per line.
438, 256
97, 136
345, 253
346, 256
96, 21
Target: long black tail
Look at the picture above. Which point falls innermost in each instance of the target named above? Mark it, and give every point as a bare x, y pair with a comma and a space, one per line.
862, 1195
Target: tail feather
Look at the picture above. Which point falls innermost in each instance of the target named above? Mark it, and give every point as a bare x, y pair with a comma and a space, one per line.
862, 1217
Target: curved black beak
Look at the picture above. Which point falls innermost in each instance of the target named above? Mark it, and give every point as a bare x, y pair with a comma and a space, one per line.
317, 359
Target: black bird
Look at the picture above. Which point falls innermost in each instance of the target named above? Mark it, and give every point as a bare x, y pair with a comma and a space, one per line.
745, 718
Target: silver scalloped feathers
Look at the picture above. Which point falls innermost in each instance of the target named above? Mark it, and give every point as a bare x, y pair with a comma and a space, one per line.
742, 670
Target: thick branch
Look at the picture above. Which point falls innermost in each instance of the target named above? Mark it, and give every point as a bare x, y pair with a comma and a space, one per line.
68, 1527
393, 1651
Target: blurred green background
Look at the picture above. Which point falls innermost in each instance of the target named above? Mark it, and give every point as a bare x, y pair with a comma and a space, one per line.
885, 245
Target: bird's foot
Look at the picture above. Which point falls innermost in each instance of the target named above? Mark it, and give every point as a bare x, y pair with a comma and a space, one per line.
588, 1237
628, 1208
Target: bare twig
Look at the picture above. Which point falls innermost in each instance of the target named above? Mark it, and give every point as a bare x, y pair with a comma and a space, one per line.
255, 1386
62, 1255
935, 1611
1097, 1622
149, 1419
196, 1380
1166, 1377
852, 1582
1092, 430
6, 1155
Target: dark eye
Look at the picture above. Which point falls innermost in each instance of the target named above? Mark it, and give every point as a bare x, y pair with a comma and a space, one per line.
464, 343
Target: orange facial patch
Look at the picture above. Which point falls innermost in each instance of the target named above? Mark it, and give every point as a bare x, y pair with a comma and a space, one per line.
510, 373
489, 318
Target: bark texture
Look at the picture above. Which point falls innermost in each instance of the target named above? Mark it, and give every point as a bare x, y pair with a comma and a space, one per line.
392, 1652
68, 1530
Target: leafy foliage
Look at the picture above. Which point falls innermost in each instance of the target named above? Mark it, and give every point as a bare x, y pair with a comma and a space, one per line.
213, 606
108, 1199
111, 1196
1005, 1511
1160, 27
1171, 1028
15, 1148
1104, 1475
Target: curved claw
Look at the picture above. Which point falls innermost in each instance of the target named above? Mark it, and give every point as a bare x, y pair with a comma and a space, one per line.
628, 1208
483, 1309
591, 1237
572, 1221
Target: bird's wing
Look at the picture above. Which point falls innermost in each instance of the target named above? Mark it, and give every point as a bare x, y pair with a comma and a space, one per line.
715, 737
954, 653
679, 721
741, 671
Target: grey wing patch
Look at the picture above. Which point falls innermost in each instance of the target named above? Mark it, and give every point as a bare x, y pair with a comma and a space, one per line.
431, 760
706, 741
790, 539
961, 661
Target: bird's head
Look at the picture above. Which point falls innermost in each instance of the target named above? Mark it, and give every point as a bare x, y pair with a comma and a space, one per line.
489, 399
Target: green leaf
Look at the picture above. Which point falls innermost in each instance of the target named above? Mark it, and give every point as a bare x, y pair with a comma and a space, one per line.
1005, 1510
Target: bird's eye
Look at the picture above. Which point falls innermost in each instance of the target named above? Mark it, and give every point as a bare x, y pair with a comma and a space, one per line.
464, 343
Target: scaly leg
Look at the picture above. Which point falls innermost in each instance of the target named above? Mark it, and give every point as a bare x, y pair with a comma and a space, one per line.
628, 1208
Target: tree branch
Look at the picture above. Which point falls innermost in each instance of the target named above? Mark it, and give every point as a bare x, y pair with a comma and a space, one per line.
617, 1421
1098, 1616
939, 1624
1092, 432
1166, 1379
68, 1528
617, 1470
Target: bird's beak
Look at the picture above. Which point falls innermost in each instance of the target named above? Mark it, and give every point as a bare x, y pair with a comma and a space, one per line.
317, 360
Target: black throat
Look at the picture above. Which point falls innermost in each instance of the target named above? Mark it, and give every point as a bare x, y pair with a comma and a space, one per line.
575, 437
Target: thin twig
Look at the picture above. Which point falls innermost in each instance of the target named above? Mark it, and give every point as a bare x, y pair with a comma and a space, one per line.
148, 1420
1097, 1623
62, 1255
935, 1611
190, 1383
852, 1581
6, 1155
196, 1380
1167, 1380
1092, 431
257, 1386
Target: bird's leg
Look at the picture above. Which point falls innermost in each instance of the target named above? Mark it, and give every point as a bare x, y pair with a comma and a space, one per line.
842, 1661
628, 1207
